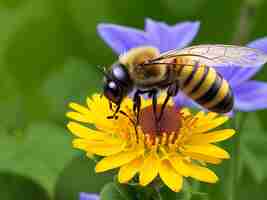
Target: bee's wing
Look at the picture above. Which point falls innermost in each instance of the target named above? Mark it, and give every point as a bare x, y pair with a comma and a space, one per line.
219, 55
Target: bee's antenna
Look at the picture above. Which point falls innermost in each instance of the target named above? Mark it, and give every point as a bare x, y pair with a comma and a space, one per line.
102, 69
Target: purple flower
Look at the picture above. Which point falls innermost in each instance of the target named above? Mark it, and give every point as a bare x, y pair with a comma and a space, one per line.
249, 95
89, 196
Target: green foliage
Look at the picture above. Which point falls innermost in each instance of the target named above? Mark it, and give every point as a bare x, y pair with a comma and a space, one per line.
32, 153
253, 153
14, 186
49, 51
111, 192
79, 176
72, 83
116, 191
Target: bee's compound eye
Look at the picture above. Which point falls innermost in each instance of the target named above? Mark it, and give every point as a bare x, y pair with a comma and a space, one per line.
120, 73
113, 91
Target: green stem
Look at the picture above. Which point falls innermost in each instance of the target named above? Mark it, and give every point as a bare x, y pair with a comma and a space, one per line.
158, 192
156, 186
245, 22
236, 161
241, 36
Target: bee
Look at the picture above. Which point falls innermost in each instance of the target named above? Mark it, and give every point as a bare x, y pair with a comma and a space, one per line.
192, 70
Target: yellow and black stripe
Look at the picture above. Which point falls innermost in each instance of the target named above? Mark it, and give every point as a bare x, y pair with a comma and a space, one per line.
208, 88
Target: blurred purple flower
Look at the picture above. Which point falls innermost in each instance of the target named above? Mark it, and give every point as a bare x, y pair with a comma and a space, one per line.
249, 95
89, 196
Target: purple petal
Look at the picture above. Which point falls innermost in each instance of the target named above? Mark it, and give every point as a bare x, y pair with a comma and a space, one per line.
89, 196
250, 96
121, 38
238, 75
167, 37
181, 100
260, 44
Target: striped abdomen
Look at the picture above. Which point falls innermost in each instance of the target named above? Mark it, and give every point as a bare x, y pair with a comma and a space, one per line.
205, 86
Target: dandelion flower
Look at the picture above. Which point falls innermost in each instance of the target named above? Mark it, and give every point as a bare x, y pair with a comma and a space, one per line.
180, 145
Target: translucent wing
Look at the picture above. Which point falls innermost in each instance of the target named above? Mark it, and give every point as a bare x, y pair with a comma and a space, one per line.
219, 55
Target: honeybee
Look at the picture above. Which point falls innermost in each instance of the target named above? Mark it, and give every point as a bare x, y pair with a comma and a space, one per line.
190, 70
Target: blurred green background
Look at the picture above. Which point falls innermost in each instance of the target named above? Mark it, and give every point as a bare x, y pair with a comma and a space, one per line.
49, 50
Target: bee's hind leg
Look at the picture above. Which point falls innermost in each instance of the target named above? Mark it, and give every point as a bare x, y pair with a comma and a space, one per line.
172, 91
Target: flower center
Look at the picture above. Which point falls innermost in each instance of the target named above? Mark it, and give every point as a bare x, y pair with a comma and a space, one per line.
169, 123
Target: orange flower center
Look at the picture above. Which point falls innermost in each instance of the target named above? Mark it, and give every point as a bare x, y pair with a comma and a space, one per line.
169, 123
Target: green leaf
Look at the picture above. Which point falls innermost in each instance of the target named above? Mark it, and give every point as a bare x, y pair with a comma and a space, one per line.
40, 153
253, 151
167, 194
14, 187
14, 116
251, 190
113, 191
79, 176
188, 192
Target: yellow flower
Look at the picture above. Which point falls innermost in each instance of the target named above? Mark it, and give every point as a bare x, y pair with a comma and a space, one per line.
179, 146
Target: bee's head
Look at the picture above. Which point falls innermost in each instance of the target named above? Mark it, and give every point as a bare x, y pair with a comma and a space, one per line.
117, 83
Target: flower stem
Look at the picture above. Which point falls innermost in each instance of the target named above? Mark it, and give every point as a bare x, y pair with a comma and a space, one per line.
245, 22
236, 161
156, 186
241, 36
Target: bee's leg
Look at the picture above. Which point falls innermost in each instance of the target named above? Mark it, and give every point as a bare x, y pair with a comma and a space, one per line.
172, 91
155, 103
110, 106
137, 101
114, 116
137, 104
153, 93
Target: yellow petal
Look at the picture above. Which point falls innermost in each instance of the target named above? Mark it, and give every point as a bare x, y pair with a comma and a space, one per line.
84, 132
82, 145
211, 115
90, 155
178, 164
89, 102
98, 148
209, 125
202, 173
116, 160
185, 112
79, 108
170, 177
79, 144
200, 115
208, 149
78, 117
149, 169
105, 149
205, 158
215, 136
128, 171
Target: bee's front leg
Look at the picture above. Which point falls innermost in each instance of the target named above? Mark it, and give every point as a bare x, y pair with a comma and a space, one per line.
114, 116
137, 101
